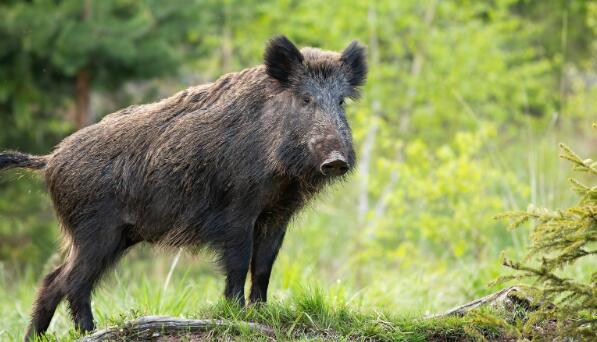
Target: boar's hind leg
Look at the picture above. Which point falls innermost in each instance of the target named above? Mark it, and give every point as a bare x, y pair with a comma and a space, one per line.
88, 260
266, 244
49, 296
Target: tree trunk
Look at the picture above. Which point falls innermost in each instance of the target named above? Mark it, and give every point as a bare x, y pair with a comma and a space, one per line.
82, 96
83, 82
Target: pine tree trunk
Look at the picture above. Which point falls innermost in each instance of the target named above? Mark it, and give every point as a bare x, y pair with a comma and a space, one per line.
83, 82
83, 90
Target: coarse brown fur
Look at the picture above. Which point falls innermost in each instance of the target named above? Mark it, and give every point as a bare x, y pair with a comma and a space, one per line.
224, 165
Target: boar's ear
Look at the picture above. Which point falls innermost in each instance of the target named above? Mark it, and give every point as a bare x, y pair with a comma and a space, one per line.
281, 59
354, 58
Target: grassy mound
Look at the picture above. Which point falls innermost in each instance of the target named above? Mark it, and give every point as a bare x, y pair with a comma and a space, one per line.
311, 317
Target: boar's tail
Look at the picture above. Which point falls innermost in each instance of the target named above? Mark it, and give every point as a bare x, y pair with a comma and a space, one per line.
13, 159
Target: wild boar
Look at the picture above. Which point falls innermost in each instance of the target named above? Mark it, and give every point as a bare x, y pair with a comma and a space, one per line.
224, 166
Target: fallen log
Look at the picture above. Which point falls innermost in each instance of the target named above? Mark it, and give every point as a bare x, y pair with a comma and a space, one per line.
161, 327
506, 299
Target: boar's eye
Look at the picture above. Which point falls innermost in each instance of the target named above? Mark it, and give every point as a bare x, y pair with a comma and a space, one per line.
306, 99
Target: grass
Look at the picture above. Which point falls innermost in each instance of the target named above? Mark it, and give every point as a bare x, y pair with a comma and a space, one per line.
332, 310
309, 299
311, 315
329, 309
137, 287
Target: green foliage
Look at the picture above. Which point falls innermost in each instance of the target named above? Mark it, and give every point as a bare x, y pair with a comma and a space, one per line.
43, 45
559, 240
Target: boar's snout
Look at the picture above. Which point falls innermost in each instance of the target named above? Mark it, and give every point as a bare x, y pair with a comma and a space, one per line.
334, 165
331, 155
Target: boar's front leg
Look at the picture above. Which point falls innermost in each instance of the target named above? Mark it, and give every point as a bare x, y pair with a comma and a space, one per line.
236, 256
267, 240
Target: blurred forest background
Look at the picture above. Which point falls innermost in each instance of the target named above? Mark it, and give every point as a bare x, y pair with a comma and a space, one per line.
460, 119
